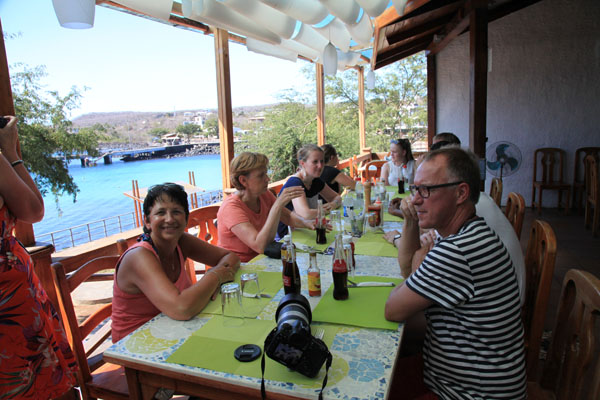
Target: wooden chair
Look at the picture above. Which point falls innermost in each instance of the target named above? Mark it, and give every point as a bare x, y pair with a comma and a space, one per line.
539, 270
551, 160
95, 378
204, 220
515, 211
572, 367
372, 169
579, 174
496, 190
592, 189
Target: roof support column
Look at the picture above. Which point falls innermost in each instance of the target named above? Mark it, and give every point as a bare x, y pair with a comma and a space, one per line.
224, 101
478, 53
431, 99
361, 108
320, 104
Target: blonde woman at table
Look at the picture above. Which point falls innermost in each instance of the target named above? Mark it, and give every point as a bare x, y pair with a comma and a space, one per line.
311, 163
150, 276
247, 220
402, 164
35, 358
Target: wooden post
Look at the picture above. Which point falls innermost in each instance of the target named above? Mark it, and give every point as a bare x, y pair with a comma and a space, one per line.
224, 101
320, 104
23, 231
361, 108
478, 37
431, 99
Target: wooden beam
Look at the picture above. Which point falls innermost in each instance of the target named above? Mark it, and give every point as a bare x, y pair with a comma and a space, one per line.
431, 99
478, 53
361, 108
320, 104
224, 101
392, 56
455, 28
23, 231
410, 30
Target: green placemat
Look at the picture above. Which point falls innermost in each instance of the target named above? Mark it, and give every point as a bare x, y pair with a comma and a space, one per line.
364, 307
212, 347
373, 244
309, 238
269, 282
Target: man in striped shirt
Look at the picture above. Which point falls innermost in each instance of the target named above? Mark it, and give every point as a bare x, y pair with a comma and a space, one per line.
466, 284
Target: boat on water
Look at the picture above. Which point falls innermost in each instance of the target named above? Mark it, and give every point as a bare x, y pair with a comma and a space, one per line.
153, 152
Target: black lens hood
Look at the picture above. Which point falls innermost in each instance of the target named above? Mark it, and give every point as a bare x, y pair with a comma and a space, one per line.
294, 298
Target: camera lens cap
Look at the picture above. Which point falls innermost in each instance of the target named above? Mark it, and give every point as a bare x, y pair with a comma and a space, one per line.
247, 352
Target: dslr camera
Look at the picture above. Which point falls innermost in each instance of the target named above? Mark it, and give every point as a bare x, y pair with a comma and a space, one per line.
291, 342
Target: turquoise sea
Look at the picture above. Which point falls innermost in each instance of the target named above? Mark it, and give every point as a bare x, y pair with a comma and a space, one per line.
102, 187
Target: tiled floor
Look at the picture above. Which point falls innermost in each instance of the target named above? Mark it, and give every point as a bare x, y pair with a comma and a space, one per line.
576, 248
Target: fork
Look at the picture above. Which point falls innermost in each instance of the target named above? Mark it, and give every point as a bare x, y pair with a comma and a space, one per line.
319, 333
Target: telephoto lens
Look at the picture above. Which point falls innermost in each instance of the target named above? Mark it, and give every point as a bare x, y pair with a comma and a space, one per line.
291, 342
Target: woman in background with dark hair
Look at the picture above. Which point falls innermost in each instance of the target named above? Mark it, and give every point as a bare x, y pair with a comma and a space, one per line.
150, 276
332, 176
402, 164
35, 358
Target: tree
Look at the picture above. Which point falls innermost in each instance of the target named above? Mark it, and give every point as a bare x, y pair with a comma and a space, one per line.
46, 142
390, 113
211, 125
188, 130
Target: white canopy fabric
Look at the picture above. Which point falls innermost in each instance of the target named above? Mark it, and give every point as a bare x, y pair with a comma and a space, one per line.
284, 28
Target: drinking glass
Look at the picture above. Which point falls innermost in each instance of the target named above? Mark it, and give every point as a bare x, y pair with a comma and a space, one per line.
370, 222
250, 286
336, 221
357, 225
231, 302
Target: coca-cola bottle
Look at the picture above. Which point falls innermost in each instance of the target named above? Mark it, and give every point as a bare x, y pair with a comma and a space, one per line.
340, 271
314, 276
291, 273
321, 224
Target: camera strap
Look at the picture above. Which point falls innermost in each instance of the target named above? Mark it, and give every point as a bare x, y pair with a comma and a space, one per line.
263, 391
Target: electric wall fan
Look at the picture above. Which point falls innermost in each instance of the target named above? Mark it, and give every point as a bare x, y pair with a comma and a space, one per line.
503, 159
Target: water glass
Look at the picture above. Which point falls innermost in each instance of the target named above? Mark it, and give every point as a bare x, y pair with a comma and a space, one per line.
357, 225
336, 221
370, 222
231, 301
250, 286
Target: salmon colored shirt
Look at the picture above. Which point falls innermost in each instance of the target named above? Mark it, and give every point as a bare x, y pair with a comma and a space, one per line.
234, 211
130, 311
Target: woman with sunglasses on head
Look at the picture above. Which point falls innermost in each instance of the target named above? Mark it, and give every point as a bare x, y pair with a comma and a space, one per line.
150, 276
311, 162
402, 164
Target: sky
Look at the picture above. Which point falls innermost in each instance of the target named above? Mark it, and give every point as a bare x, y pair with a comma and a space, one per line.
130, 63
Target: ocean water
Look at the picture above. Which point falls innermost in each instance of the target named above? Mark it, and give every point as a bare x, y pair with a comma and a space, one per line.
102, 187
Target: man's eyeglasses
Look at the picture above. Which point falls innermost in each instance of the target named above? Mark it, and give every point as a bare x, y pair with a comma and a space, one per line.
424, 190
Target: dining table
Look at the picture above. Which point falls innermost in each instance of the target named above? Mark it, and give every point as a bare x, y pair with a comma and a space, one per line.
196, 357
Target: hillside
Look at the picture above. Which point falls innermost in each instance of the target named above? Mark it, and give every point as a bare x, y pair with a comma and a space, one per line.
131, 125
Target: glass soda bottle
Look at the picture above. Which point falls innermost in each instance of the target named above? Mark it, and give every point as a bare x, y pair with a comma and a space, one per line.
340, 271
291, 273
321, 224
314, 276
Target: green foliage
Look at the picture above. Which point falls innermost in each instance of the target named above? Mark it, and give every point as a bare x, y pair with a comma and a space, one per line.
211, 125
158, 132
44, 131
394, 108
188, 130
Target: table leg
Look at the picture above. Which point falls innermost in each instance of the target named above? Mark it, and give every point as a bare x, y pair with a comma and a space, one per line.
133, 382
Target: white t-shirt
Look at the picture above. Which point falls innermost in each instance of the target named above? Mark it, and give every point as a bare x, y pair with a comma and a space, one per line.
406, 171
495, 218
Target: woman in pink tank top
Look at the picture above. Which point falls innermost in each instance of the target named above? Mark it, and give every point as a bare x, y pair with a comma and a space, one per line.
150, 277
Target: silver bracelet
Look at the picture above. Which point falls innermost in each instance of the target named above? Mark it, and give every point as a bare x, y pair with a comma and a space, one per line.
15, 163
